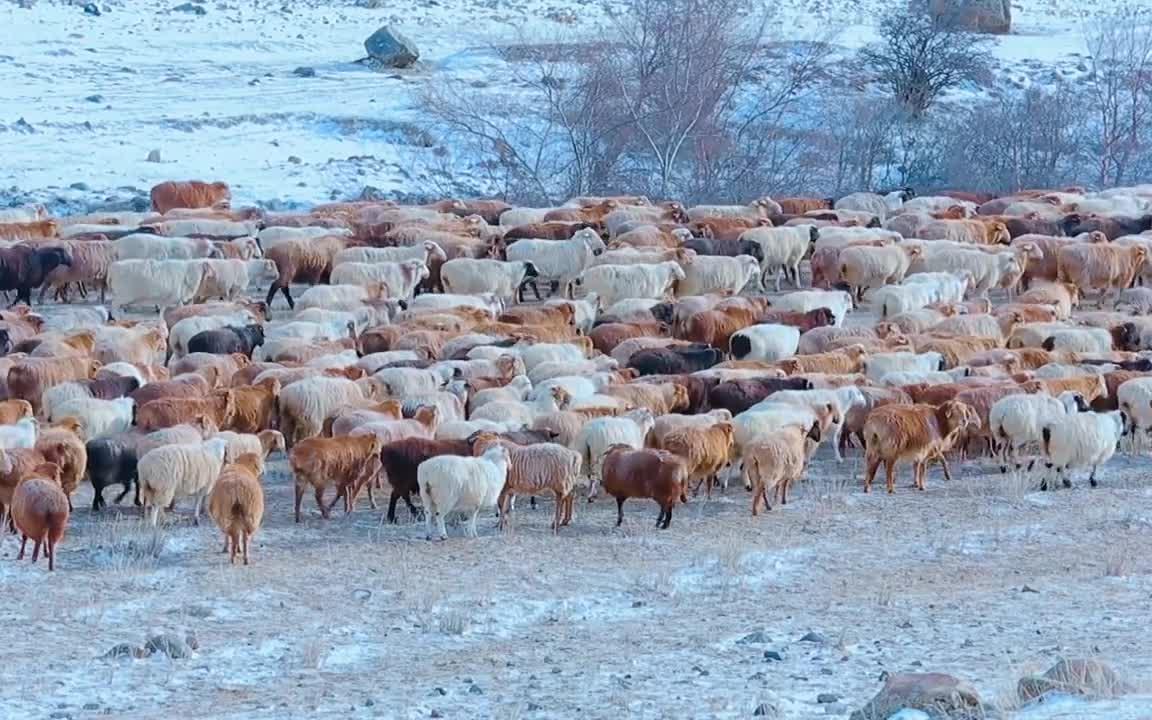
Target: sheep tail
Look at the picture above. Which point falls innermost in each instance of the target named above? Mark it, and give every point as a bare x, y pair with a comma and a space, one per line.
1046, 436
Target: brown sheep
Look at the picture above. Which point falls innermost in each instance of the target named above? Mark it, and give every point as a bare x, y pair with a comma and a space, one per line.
350, 418
216, 369
801, 205
189, 385
400, 459
173, 315
30, 377
61, 444
661, 399
1101, 266
40, 511
717, 326
1090, 387
1060, 295
847, 360
534, 470
302, 261
656, 474
167, 412
705, 451
14, 466
349, 463
542, 315
237, 504
775, 462
255, 407
916, 433
190, 194
89, 268
546, 231
13, 410
820, 317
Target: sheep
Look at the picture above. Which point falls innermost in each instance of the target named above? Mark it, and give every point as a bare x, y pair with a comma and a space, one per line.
878, 365
782, 249
838, 301
303, 405
765, 342
111, 461
1083, 340
613, 283
401, 278
533, 470
161, 283
1015, 421
228, 340
212, 228
189, 194
599, 434
977, 231
760, 208
873, 267
152, 247
254, 407
645, 473
659, 399
261, 444
776, 461
12, 411
302, 261
674, 360
522, 414
449, 483
917, 433
736, 396
1137, 300
1080, 440
97, 417
19, 435
90, 262
491, 302
349, 463
846, 360
40, 511
717, 274
172, 471
505, 280
584, 310
845, 400
900, 378
425, 252
28, 378
562, 261
987, 270
705, 451
236, 504
1060, 295
1134, 397
1102, 266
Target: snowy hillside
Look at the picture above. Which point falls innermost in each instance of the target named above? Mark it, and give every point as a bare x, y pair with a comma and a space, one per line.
85, 99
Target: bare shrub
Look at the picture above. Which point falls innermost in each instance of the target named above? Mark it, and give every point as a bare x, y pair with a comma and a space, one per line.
1121, 90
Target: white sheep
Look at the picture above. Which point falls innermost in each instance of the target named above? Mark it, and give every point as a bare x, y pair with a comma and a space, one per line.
709, 274
893, 300
20, 435
467, 484
162, 283
949, 287
515, 391
783, 248
988, 270
585, 310
1081, 340
230, 279
184, 330
503, 279
523, 216
619, 282
578, 387
870, 203
151, 247
273, 236
401, 278
338, 297
533, 355
519, 415
206, 227
428, 302
844, 399
632, 309
75, 318
838, 237
552, 369
174, 471
1015, 422
97, 417
304, 405
1134, 398
877, 365
864, 267
559, 260
767, 342
599, 434
838, 301
464, 429
404, 381
426, 252
897, 378
761, 208
1081, 440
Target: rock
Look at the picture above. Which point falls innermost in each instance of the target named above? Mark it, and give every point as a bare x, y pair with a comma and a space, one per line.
754, 638
82, 187
154, 156
24, 126
95, 98
767, 710
389, 48
91, 9
986, 16
825, 698
372, 4
435, 714
371, 194
304, 71
171, 645
1074, 677
533, 707
60, 715
835, 709
814, 637
190, 8
124, 650
772, 656
943, 696
296, 161
475, 690
91, 706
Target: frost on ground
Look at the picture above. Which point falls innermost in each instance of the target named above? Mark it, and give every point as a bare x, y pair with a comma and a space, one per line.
85, 99
976, 578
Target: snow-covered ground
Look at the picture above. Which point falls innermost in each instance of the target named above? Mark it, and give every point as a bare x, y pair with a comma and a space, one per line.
85, 99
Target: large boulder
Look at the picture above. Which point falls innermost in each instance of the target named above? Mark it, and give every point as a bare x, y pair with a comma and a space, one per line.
1074, 677
388, 47
939, 696
985, 16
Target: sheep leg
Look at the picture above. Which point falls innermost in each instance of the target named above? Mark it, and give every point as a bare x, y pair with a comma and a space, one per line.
326, 509
472, 523
668, 515
569, 505
50, 551
392, 505
196, 510
1092, 477
227, 543
245, 537
870, 472
98, 499
23, 542
502, 504
619, 511
299, 499
36, 550
758, 496
944, 464
890, 471
371, 496
784, 490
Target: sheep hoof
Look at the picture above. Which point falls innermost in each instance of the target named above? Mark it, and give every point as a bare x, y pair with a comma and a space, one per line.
1068, 483
1093, 482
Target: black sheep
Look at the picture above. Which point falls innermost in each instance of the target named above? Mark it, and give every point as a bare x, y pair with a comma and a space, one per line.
228, 340
111, 461
23, 267
674, 361
726, 248
736, 396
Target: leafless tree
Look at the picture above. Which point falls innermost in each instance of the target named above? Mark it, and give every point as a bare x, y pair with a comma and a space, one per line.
1121, 50
919, 58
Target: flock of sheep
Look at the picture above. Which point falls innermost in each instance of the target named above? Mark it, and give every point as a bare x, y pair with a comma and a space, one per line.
469, 352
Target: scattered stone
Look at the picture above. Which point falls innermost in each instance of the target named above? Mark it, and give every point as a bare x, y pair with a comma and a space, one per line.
944, 696
439, 691
304, 71
835, 709
127, 650
773, 656
91, 706
435, 714
637, 604
372, 4
91, 9
190, 8
358, 594
389, 48
153, 156
754, 638
171, 645
369, 702
988, 16
475, 690
533, 707
192, 640
361, 594
767, 710
814, 637
24, 126
82, 187
60, 715
1074, 677
95, 98
825, 698
1027, 589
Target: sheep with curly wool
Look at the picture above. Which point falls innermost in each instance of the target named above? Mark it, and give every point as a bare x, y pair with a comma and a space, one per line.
449, 483
174, 471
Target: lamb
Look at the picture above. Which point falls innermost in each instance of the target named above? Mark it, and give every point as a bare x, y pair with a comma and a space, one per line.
765, 342
705, 274
1102, 266
838, 301
782, 249
304, 405
534, 470
449, 483
776, 461
151, 247
161, 283
349, 463
19, 435
705, 451
613, 283
866, 267
503, 279
302, 261
401, 278
40, 511
172, 471
877, 365
97, 417
562, 261
1015, 422
644, 473
599, 434
237, 504
1081, 440
917, 433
